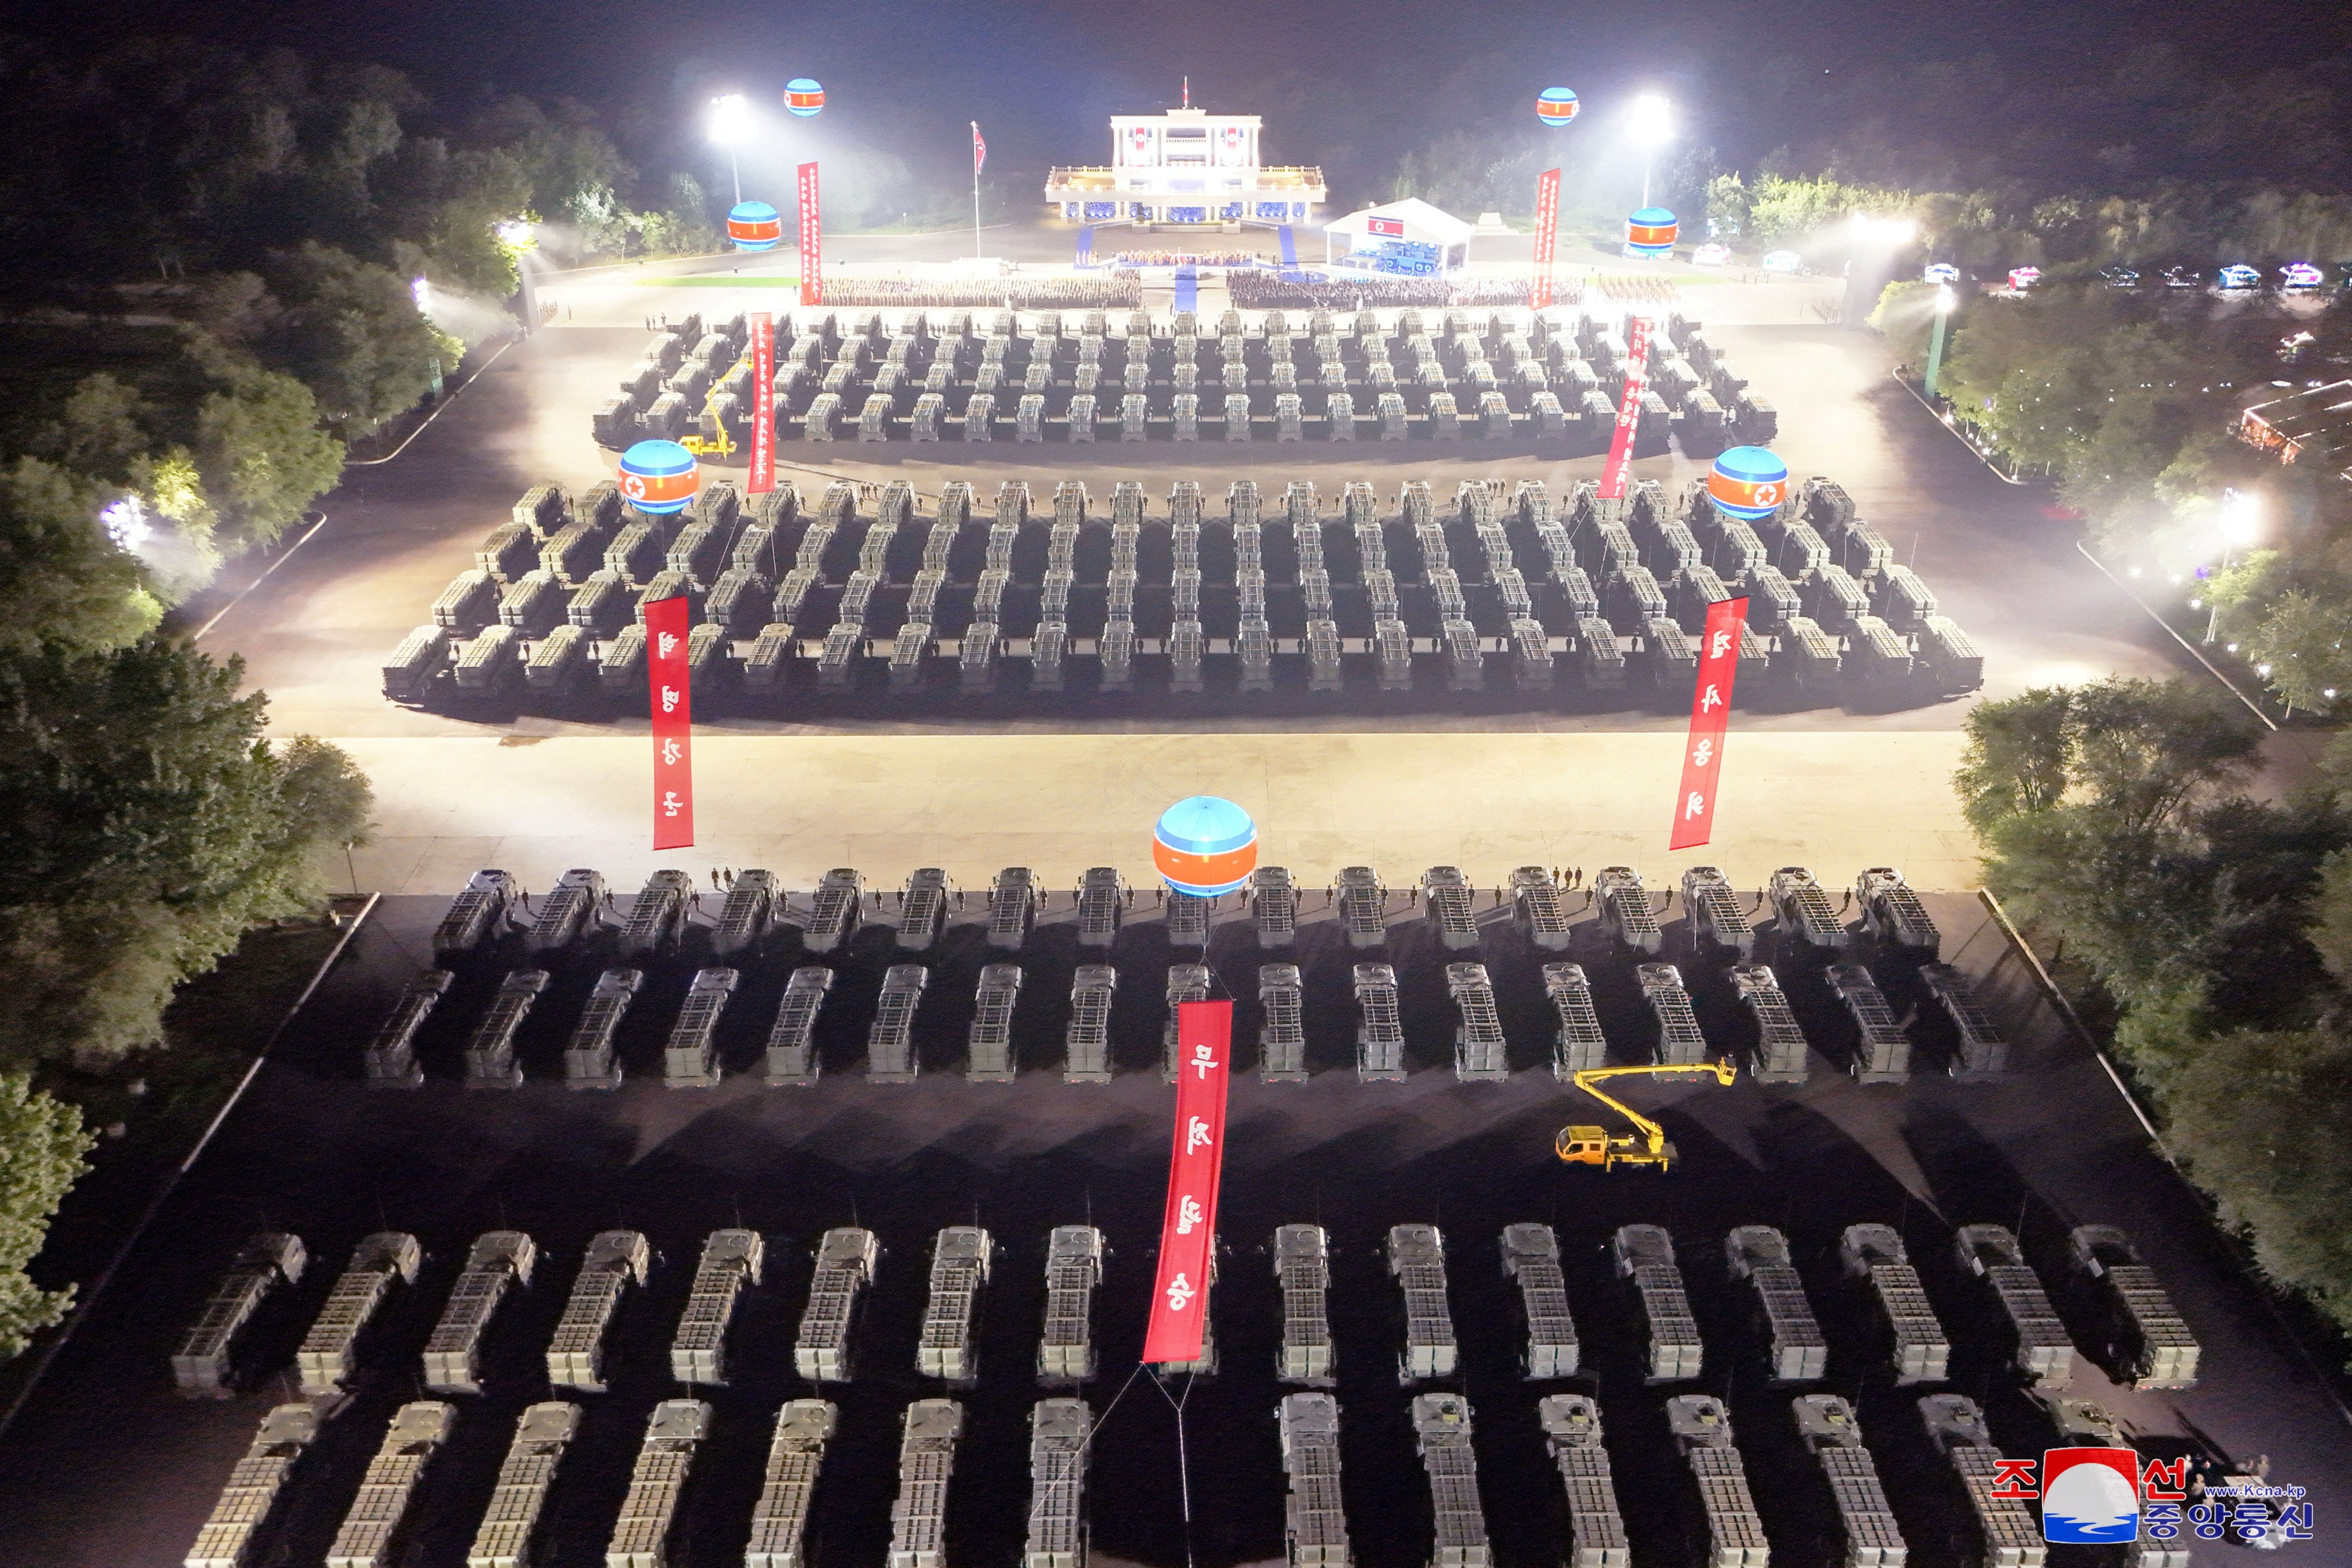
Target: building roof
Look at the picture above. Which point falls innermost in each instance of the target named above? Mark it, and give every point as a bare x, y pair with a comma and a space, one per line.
1421, 222
2317, 420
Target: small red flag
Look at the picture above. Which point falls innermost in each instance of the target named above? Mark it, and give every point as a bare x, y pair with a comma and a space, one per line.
673, 715
1188, 1230
1719, 662
1547, 237
1618, 472
763, 478
978, 148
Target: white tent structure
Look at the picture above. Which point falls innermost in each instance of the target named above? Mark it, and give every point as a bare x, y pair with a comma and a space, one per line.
1410, 237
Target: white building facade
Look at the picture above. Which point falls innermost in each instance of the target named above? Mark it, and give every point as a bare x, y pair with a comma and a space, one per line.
1185, 166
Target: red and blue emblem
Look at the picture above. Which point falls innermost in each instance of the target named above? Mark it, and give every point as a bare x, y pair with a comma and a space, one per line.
1556, 106
658, 477
1205, 845
754, 225
2090, 1497
804, 97
1747, 483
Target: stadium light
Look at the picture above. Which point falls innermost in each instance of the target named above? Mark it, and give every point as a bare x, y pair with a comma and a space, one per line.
731, 127
2241, 524
1888, 231
1652, 126
2242, 518
126, 524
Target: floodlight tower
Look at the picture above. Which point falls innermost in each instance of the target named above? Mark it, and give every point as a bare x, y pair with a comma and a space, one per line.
1653, 127
1870, 261
2242, 519
731, 127
521, 235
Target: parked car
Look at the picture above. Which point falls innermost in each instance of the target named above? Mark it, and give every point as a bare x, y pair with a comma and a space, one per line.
1941, 272
2024, 278
2183, 277
1783, 261
2300, 275
2119, 277
2238, 277
1710, 255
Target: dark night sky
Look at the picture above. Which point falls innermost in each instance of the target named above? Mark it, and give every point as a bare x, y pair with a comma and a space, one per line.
1042, 77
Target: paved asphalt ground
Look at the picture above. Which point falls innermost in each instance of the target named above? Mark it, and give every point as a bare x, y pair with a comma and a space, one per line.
460, 792
106, 1469
313, 1150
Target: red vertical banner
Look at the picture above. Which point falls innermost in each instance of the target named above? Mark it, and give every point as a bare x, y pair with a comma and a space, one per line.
1614, 477
1187, 1231
764, 404
1547, 237
673, 712
1719, 663
812, 253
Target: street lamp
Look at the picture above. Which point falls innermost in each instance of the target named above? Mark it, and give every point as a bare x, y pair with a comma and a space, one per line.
2241, 522
518, 234
1653, 127
731, 127
1870, 259
1945, 301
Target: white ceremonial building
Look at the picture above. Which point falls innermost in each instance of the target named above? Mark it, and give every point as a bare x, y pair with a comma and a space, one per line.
1183, 166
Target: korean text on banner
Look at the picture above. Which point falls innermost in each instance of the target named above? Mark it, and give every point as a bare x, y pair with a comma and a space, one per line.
1613, 477
763, 414
812, 253
1180, 1300
1547, 235
1719, 662
673, 714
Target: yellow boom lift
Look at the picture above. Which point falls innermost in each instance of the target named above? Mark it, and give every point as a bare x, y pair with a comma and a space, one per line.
1597, 1146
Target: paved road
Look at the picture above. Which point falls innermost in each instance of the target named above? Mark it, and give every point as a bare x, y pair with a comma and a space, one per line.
109, 1469
314, 635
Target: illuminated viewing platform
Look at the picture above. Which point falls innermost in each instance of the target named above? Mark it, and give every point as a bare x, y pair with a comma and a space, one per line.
1185, 166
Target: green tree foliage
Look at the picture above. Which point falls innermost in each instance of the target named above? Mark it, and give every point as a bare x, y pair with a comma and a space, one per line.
41, 1148
62, 581
2298, 648
2215, 928
2121, 396
351, 334
144, 823
2017, 756
2258, 1117
261, 448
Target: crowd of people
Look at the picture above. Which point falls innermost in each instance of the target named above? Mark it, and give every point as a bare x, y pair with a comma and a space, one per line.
1318, 290
1115, 291
1647, 288
1190, 258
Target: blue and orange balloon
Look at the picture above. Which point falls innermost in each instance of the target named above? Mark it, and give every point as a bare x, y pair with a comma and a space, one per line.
804, 97
1650, 233
1205, 845
754, 225
1556, 106
658, 477
1747, 483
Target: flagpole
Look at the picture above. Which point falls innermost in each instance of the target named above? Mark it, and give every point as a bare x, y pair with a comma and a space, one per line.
975, 193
